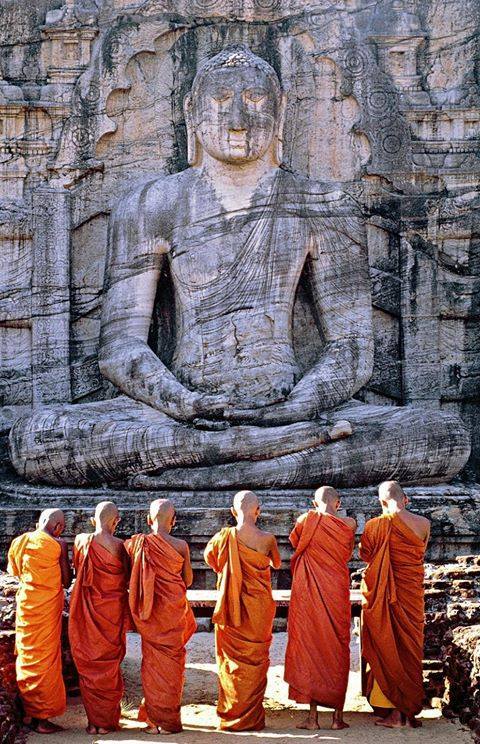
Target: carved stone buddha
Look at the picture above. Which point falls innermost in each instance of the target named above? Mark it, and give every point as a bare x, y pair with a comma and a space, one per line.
233, 409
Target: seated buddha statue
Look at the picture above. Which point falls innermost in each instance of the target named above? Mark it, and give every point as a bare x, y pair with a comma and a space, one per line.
233, 408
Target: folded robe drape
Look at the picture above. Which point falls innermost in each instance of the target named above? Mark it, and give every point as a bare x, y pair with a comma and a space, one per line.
165, 621
393, 613
97, 628
317, 660
35, 559
243, 620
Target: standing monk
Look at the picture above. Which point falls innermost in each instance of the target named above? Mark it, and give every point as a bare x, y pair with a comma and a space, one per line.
40, 560
98, 615
243, 616
394, 546
161, 573
318, 652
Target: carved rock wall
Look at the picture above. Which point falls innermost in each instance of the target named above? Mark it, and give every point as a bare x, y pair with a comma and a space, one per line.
382, 98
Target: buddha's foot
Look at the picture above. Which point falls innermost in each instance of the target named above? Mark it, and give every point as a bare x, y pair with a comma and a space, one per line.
340, 430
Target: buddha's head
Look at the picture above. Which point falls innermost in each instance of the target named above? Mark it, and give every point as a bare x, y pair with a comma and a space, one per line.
235, 109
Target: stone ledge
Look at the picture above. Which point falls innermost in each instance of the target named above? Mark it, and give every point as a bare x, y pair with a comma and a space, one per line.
453, 509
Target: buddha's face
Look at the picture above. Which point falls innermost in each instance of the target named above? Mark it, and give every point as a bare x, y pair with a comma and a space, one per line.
235, 114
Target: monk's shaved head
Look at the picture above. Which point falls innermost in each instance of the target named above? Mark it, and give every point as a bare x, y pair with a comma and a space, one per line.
245, 502
106, 512
326, 496
162, 511
52, 521
391, 491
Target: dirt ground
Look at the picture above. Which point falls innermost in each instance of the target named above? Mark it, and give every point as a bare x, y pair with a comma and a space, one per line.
200, 720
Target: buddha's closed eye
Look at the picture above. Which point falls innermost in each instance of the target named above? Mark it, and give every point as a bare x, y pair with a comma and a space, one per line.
222, 96
254, 96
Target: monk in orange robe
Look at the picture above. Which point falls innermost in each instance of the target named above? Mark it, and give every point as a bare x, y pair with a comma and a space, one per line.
394, 546
317, 659
40, 561
161, 573
98, 618
243, 616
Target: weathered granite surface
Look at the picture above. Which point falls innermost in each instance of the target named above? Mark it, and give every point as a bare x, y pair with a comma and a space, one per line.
92, 103
233, 236
383, 99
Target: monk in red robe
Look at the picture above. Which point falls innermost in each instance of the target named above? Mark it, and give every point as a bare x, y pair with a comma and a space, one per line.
161, 573
317, 659
243, 616
98, 618
393, 545
40, 561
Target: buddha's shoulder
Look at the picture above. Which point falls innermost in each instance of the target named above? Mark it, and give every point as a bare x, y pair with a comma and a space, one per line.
159, 194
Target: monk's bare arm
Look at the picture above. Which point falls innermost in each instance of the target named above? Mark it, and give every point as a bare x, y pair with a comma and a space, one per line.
135, 260
274, 554
187, 572
65, 564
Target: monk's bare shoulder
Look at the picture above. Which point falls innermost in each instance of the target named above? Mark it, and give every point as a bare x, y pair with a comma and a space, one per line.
350, 522
302, 518
181, 546
420, 524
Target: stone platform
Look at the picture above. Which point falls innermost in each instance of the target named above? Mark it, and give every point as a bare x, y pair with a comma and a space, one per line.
453, 509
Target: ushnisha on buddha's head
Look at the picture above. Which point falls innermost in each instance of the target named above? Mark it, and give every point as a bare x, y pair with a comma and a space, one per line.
235, 109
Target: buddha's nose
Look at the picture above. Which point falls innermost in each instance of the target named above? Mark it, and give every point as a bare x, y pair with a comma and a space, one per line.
237, 114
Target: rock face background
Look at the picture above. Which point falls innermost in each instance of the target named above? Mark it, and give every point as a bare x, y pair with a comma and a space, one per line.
383, 98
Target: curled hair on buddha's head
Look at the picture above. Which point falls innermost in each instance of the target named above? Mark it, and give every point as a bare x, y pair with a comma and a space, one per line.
231, 57
235, 55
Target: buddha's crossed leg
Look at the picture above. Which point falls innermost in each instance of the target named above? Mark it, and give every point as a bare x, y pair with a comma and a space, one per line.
408, 444
112, 440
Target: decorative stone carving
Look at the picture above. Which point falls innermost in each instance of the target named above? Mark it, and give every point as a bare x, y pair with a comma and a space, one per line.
236, 233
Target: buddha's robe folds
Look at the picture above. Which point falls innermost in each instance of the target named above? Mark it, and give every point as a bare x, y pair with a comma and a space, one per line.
35, 559
243, 620
164, 619
97, 627
318, 652
393, 614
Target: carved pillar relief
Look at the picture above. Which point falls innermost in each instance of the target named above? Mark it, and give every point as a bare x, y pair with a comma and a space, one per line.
51, 297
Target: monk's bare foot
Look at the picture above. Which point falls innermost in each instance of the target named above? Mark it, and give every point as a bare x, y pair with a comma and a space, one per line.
152, 730
101, 730
394, 720
91, 729
414, 723
311, 724
337, 721
45, 727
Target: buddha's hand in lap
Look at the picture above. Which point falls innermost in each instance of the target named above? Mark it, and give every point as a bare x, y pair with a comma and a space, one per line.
281, 414
200, 409
289, 411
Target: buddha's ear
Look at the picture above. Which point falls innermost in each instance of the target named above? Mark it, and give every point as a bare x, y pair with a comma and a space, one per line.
192, 147
278, 151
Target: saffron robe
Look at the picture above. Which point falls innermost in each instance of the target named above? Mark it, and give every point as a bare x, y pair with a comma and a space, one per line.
35, 559
393, 613
165, 621
317, 659
243, 620
97, 628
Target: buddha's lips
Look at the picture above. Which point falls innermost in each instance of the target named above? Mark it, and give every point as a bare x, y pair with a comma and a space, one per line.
237, 140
